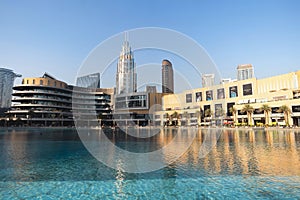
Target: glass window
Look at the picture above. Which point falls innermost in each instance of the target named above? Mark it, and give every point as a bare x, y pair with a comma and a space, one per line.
188, 98
233, 92
209, 95
220, 93
41, 82
218, 110
247, 89
198, 96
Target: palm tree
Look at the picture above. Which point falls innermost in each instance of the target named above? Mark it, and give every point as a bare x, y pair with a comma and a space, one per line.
233, 111
208, 113
198, 115
175, 115
186, 115
286, 111
267, 109
220, 112
167, 116
249, 110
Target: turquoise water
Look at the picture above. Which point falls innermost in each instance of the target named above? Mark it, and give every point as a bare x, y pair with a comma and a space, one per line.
54, 164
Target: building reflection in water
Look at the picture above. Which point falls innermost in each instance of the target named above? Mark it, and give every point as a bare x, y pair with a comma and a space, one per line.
236, 151
243, 152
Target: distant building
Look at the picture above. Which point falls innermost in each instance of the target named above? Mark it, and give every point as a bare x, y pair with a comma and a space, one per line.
7, 78
245, 72
167, 77
89, 81
151, 88
126, 78
208, 80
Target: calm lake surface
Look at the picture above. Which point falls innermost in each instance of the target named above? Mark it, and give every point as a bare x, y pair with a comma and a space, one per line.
247, 164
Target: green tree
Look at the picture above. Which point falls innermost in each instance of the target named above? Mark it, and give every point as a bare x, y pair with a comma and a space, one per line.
175, 116
286, 111
208, 113
233, 111
267, 109
167, 117
249, 110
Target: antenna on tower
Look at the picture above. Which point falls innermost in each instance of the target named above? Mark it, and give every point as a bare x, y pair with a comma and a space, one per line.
126, 36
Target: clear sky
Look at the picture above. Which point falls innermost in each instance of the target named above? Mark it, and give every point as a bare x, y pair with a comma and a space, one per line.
56, 36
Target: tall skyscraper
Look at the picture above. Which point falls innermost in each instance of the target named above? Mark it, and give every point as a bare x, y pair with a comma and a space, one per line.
208, 80
89, 81
167, 77
151, 88
126, 77
7, 78
245, 72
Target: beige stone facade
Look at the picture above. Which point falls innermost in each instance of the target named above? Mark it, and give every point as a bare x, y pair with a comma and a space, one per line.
274, 91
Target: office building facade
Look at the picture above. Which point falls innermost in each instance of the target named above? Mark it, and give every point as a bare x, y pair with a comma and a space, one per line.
167, 77
7, 78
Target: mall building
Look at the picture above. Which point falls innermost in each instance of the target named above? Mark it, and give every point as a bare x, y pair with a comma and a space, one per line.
211, 105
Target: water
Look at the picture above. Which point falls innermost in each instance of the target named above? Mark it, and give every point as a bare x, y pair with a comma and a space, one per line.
54, 164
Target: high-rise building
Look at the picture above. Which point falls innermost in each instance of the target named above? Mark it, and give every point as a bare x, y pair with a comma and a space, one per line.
245, 72
208, 80
167, 77
7, 78
126, 78
151, 89
89, 81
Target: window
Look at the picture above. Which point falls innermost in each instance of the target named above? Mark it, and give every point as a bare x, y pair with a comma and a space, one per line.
247, 89
41, 82
27, 81
198, 96
209, 95
230, 105
219, 110
295, 108
33, 81
220, 93
233, 92
188, 98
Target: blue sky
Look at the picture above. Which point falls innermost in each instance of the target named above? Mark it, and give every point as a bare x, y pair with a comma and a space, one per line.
56, 36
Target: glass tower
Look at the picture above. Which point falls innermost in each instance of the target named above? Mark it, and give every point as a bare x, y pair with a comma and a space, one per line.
7, 78
126, 78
